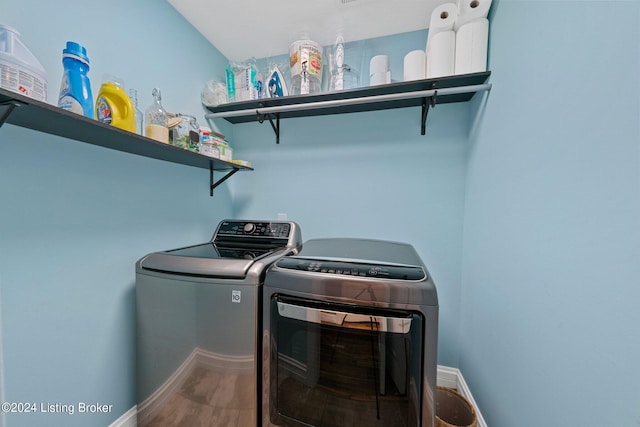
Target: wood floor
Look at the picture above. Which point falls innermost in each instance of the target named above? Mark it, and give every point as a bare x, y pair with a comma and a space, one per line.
210, 398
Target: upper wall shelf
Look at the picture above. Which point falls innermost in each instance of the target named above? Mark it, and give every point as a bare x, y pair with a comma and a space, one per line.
424, 93
32, 114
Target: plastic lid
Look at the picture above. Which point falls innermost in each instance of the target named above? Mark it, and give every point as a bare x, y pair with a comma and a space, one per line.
112, 78
76, 50
8, 28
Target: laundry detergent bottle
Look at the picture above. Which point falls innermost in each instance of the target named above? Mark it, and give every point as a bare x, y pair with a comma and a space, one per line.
75, 89
115, 108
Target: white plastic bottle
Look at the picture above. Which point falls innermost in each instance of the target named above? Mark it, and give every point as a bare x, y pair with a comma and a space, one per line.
20, 71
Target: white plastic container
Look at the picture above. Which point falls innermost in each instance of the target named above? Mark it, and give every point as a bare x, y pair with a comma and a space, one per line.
20, 71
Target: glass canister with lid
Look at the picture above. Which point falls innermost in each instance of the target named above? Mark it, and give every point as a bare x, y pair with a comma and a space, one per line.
186, 134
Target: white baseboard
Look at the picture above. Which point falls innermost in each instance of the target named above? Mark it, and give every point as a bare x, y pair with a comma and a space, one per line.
128, 419
452, 378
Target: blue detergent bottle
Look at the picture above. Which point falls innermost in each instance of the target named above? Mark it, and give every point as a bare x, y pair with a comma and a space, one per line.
75, 89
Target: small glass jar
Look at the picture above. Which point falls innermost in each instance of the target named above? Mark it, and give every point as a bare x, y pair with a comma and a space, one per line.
186, 135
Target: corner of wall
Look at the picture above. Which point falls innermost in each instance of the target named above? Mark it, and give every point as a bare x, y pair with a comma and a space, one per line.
2, 421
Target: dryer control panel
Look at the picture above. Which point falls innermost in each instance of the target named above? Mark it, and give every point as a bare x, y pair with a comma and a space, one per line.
394, 272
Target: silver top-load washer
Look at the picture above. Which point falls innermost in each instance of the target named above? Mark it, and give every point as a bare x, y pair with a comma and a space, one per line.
198, 324
349, 336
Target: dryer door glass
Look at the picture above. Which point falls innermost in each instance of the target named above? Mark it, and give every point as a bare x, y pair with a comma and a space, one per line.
338, 365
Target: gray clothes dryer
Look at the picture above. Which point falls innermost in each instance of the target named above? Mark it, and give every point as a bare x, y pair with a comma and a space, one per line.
198, 325
350, 331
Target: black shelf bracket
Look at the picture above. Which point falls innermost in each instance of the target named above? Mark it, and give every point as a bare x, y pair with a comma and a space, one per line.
271, 116
213, 184
5, 111
426, 103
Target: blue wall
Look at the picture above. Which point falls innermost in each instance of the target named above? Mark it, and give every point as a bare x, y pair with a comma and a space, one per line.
524, 204
74, 218
551, 259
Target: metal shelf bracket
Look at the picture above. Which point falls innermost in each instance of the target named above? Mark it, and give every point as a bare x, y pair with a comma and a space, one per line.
425, 110
275, 127
213, 184
5, 111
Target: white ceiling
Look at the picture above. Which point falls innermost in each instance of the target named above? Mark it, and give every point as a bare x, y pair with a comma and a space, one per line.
242, 29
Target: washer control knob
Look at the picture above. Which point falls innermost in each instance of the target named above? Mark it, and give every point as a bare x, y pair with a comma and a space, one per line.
249, 227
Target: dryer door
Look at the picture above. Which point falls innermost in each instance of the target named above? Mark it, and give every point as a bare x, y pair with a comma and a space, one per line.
338, 365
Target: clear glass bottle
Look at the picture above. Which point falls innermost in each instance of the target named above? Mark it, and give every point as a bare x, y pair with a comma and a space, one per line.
133, 94
156, 119
342, 75
337, 67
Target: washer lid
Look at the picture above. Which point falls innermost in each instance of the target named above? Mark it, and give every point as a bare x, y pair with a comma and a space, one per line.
213, 250
206, 259
236, 247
